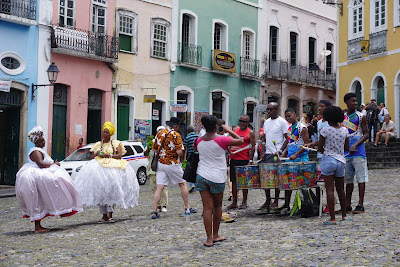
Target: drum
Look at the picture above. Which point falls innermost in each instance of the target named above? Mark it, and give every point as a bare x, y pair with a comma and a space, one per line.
309, 172
283, 175
247, 177
269, 177
290, 176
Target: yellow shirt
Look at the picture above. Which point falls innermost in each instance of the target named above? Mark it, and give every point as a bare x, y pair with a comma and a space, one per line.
107, 148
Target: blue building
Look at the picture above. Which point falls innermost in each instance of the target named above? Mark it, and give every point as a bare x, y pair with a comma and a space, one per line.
18, 70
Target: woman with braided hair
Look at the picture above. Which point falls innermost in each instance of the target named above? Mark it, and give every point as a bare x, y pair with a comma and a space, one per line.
108, 180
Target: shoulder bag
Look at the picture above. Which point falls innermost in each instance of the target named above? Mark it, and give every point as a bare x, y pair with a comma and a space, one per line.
154, 162
190, 172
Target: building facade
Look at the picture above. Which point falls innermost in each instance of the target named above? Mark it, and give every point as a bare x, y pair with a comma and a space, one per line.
215, 66
144, 31
18, 61
369, 42
300, 34
83, 46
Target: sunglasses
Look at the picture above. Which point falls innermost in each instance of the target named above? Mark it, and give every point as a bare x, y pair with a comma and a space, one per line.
242, 121
269, 109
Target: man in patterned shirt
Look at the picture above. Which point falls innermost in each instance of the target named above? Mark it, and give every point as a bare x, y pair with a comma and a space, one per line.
168, 144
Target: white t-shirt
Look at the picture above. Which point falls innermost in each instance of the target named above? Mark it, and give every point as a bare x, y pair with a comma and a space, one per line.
321, 124
334, 142
388, 126
274, 130
212, 164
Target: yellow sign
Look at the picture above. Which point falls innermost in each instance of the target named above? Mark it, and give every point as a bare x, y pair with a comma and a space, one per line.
149, 99
364, 46
224, 61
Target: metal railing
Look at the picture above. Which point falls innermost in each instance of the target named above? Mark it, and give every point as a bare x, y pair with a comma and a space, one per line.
249, 67
354, 49
87, 42
281, 70
20, 8
190, 54
377, 42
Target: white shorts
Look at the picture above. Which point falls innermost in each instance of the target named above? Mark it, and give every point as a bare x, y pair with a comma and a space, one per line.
169, 173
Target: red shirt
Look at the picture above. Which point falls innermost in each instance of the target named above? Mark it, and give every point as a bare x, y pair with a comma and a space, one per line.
244, 154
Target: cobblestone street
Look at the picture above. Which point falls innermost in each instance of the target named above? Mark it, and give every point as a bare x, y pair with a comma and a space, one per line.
370, 239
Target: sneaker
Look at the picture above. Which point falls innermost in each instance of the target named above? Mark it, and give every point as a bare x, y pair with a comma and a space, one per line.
359, 209
326, 210
349, 209
164, 209
193, 210
155, 215
191, 189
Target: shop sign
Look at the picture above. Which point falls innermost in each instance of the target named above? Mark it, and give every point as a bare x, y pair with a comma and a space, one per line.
5, 86
307, 109
149, 98
156, 112
224, 61
180, 108
216, 95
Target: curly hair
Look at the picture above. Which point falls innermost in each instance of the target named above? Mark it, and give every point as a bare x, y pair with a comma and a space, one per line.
348, 96
209, 122
333, 115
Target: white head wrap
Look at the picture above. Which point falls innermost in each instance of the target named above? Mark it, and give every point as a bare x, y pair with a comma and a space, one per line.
35, 134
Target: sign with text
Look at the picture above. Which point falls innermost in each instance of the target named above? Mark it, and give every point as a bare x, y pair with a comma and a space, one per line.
149, 98
156, 112
216, 95
224, 61
180, 108
5, 86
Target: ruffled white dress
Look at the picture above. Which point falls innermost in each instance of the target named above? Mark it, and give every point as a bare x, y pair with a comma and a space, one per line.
107, 181
43, 192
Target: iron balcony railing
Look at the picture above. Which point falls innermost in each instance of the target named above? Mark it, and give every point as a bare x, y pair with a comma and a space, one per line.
249, 67
281, 70
190, 54
354, 49
90, 43
377, 42
20, 8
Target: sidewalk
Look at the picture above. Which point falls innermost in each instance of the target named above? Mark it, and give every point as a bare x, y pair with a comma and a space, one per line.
7, 191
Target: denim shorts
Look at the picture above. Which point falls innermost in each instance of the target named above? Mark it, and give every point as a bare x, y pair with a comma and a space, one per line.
203, 184
356, 166
331, 166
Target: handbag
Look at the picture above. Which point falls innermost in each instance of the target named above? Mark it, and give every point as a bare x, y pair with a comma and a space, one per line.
190, 172
154, 162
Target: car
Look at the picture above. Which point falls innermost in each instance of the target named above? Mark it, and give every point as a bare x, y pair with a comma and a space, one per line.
134, 155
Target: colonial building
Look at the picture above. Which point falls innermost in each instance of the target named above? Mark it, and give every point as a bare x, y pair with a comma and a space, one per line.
18, 62
369, 42
301, 36
144, 30
84, 49
216, 58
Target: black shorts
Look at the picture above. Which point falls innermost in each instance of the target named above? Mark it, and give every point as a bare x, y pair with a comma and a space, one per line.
233, 164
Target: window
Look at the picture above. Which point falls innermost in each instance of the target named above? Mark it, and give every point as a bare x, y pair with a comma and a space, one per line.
357, 18
160, 38
379, 13
99, 16
127, 31
129, 151
67, 13
311, 51
11, 63
250, 110
220, 37
273, 43
217, 36
328, 59
246, 40
293, 48
396, 20
248, 43
185, 29
138, 149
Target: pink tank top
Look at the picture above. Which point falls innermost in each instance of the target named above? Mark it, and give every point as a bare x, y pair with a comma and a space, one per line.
245, 153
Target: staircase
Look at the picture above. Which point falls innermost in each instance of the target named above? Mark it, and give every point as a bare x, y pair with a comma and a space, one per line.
383, 157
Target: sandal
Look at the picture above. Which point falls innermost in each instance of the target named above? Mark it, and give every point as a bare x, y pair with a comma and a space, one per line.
155, 215
231, 207
102, 221
348, 218
326, 222
243, 206
111, 220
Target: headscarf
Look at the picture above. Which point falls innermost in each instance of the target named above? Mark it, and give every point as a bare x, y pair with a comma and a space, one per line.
35, 134
110, 126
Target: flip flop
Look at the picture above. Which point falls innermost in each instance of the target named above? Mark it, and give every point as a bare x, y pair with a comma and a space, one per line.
111, 220
102, 221
348, 218
326, 222
208, 245
242, 207
221, 240
230, 207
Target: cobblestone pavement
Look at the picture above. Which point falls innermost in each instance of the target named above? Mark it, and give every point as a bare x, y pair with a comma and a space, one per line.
370, 239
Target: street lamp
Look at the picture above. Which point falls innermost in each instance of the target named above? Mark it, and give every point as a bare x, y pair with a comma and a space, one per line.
315, 71
52, 74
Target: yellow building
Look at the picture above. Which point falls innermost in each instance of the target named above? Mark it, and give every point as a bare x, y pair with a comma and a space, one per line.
369, 53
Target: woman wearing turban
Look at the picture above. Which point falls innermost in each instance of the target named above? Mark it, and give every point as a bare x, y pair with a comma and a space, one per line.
43, 188
108, 180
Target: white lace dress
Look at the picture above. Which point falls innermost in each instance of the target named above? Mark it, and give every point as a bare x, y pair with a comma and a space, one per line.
104, 181
43, 192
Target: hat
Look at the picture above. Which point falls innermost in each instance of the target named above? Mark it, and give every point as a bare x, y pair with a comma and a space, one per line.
173, 121
362, 104
35, 134
373, 99
110, 126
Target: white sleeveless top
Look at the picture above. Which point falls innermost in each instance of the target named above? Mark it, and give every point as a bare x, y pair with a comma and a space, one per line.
46, 157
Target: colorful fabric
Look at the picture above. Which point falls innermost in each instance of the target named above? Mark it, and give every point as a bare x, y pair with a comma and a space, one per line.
172, 143
110, 126
110, 148
353, 124
295, 140
35, 134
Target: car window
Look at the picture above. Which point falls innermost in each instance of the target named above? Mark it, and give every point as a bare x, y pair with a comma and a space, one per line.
82, 154
129, 151
138, 149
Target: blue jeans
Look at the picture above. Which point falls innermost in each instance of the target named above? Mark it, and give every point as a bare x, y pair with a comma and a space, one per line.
331, 166
370, 125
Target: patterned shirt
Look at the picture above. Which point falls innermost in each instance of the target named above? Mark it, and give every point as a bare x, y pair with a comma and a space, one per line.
172, 143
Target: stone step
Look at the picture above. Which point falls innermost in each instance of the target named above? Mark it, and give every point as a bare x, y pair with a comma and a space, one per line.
383, 154
387, 159
384, 165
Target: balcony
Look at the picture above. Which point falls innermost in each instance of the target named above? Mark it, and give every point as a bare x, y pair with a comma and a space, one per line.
377, 42
18, 11
354, 49
249, 67
81, 43
190, 54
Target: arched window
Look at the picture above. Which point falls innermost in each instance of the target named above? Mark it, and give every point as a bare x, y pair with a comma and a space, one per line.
380, 94
160, 38
356, 18
127, 30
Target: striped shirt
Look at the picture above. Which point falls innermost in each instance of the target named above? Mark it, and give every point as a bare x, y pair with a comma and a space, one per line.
188, 142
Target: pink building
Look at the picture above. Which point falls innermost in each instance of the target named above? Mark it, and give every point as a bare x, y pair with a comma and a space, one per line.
84, 49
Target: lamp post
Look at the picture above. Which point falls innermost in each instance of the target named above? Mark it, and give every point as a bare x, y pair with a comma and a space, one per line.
315, 71
52, 74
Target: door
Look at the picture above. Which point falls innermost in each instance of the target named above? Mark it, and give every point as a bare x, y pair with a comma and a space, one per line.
123, 118
380, 96
93, 126
156, 119
59, 132
11, 146
358, 94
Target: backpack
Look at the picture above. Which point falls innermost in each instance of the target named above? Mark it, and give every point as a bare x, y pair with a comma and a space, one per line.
306, 202
372, 114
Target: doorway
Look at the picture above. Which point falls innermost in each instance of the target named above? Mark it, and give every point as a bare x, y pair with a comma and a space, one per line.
123, 118
58, 137
157, 114
380, 95
94, 116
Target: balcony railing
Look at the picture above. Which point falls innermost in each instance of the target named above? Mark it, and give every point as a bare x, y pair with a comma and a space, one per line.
377, 42
249, 67
87, 42
190, 54
281, 70
354, 49
19, 8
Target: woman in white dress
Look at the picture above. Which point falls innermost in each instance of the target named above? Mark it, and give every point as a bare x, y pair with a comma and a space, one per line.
43, 188
108, 180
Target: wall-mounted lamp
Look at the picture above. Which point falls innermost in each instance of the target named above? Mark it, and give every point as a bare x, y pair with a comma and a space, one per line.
335, 3
315, 71
52, 73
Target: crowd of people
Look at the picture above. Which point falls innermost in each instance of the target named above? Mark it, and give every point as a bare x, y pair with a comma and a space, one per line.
108, 181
